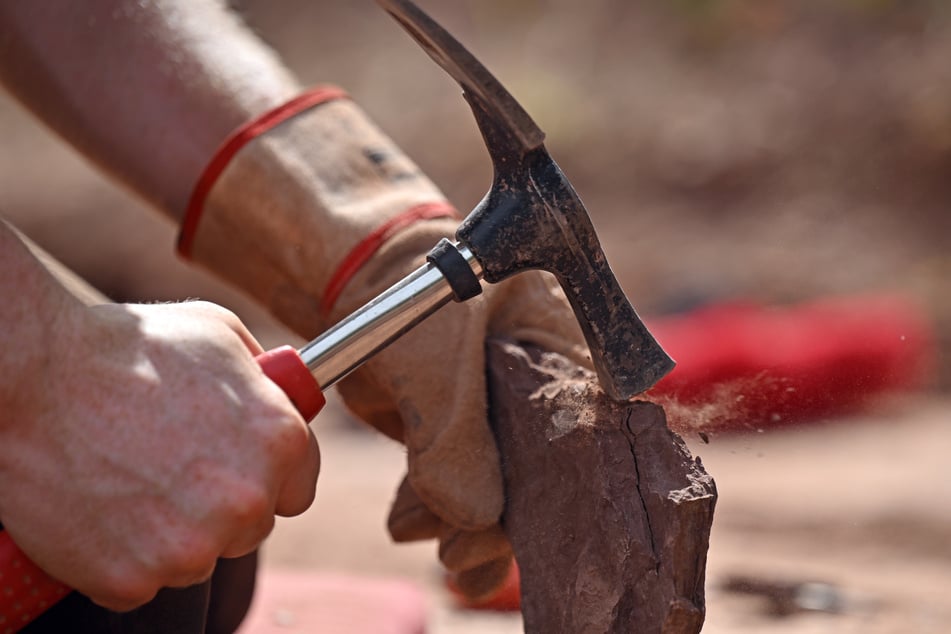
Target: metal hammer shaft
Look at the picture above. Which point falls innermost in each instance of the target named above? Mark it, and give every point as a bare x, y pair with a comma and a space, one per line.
350, 342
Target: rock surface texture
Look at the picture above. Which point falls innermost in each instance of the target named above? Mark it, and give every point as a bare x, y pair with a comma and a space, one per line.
608, 513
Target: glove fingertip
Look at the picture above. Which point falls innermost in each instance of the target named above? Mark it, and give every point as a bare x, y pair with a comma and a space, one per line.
466, 550
413, 525
493, 585
409, 519
470, 499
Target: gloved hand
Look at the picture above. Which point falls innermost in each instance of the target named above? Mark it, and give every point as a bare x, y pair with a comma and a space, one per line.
428, 390
292, 205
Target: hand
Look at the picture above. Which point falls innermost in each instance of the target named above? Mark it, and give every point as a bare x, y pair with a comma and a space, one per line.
152, 445
428, 390
286, 214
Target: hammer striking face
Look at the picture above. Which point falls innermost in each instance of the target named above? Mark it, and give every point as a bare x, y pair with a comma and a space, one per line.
531, 218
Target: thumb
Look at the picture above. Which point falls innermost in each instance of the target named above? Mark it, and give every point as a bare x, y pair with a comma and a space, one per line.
300, 484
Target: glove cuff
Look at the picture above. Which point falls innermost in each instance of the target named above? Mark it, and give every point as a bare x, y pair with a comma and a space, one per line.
233, 144
366, 248
296, 201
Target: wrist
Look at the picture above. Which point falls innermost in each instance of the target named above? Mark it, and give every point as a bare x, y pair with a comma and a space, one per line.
293, 205
390, 262
34, 323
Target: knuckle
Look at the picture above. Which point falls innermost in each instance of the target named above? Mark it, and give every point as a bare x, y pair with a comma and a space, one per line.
191, 553
202, 305
296, 441
250, 540
122, 590
299, 501
217, 312
287, 437
250, 504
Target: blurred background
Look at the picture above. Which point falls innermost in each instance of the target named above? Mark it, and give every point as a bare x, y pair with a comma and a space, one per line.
770, 151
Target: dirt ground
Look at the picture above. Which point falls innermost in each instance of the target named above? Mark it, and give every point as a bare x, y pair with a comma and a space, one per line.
859, 505
772, 150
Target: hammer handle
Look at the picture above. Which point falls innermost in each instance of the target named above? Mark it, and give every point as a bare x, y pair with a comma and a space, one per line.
26, 591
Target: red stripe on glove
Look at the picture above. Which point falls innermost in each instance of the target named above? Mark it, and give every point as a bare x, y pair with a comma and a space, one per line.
233, 144
365, 249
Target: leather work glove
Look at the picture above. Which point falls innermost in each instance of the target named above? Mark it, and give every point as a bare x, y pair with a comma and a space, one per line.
325, 187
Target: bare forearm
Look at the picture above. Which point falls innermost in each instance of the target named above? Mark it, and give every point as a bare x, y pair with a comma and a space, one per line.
31, 303
146, 90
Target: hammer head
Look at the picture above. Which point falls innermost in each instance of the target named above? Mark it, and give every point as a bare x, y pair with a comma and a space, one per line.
532, 218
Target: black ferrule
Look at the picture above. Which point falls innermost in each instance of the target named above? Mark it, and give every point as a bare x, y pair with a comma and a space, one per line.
463, 282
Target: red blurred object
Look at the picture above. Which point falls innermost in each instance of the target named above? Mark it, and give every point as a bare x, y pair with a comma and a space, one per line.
743, 366
288, 601
748, 366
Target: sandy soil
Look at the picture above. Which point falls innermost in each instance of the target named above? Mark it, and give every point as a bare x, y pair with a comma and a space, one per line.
772, 150
858, 505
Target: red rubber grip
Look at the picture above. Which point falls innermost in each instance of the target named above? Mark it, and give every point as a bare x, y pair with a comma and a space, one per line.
285, 367
26, 591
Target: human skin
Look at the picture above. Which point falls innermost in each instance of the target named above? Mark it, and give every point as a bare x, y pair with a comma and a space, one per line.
146, 90
189, 74
138, 443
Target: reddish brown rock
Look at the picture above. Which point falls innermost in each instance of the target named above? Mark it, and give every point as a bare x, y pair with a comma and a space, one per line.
608, 514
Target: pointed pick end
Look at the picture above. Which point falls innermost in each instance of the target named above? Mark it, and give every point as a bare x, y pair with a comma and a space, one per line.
476, 81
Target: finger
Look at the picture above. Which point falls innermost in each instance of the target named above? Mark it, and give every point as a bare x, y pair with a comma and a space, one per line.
410, 520
482, 582
122, 598
464, 550
300, 483
249, 540
249, 341
231, 320
458, 473
186, 557
187, 579
120, 605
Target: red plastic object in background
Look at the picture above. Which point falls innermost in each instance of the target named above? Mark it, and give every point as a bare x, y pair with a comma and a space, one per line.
748, 366
743, 366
